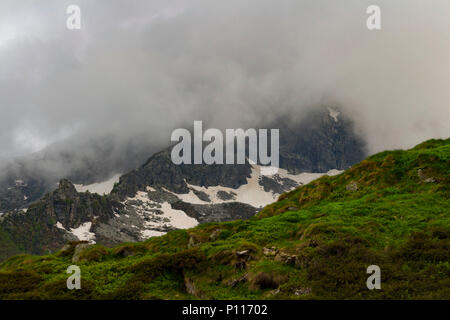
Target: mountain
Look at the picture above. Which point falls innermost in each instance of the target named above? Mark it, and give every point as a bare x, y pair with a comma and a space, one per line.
79, 159
40, 228
324, 139
160, 196
315, 242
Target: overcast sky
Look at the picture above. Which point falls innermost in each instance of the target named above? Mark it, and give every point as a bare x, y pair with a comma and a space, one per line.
147, 66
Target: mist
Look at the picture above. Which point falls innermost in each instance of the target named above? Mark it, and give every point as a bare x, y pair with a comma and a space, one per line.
143, 68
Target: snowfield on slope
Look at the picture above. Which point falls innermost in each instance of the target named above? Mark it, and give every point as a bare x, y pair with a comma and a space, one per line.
82, 232
156, 215
253, 192
101, 188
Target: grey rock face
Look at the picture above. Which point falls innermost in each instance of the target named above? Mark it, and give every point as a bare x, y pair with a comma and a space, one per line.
220, 212
318, 142
160, 171
223, 195
277, 185
202, 196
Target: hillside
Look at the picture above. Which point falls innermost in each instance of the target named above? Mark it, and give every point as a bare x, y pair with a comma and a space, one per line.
316, 241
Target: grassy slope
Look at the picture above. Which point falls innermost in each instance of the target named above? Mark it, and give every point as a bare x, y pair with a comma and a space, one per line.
325, 236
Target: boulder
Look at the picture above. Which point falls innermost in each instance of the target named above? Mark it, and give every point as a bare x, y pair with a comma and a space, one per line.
352, 186
270, 251
424, 178
243, 254
78, 250
192, 243
302, 291
233, 283
286, 258
215, 235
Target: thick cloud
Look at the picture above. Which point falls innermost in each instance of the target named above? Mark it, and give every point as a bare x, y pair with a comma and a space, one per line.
147, 66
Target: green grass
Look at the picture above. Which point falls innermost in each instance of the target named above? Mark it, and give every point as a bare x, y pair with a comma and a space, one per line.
398, 218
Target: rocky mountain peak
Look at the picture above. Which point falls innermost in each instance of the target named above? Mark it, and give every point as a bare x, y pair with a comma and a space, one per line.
66, 187
65, 192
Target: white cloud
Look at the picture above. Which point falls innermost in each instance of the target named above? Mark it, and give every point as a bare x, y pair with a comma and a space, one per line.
145, 67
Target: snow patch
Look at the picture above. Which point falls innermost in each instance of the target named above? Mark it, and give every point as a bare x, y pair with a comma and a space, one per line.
101, 188
168, 217
20, 183
82, 232
151, 233
334, 172
60, 226
178, 218
306, 177
334, 114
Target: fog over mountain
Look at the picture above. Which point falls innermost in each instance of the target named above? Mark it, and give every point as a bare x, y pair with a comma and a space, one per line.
138, 69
